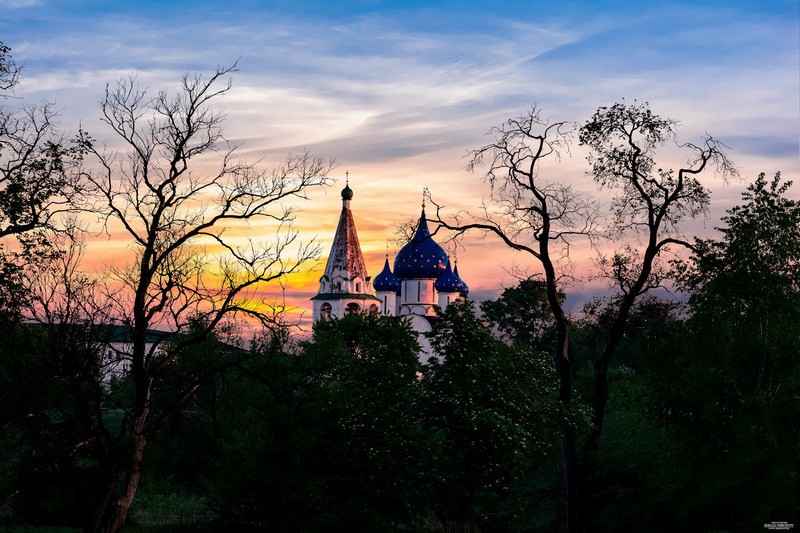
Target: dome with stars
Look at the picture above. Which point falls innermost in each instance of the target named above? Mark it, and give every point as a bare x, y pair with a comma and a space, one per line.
386, 281
464, 290
421, 258
448, 282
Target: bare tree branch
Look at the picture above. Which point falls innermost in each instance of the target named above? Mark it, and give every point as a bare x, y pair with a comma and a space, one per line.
650, 205
174, 210
540, 217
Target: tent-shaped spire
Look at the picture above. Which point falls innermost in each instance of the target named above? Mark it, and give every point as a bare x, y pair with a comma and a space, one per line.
346, 259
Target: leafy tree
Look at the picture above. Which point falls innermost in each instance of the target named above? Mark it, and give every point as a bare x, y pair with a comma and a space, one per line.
732, 392
266, 424
494, 415
654, 325
522, 314
330, 438
640, 472
543, 218
40, 180
53, 368
641, 469
183, 453
53, 451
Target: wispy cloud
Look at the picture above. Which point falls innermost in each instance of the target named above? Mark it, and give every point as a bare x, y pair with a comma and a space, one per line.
18, 4
397, 94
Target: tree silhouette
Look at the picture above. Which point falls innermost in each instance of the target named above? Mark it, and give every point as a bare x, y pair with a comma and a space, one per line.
40, 180
540, 217
160, 191
543, 218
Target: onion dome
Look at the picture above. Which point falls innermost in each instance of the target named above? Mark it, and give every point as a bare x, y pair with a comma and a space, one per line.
347, 193
386, 281
464, 287
421, 258
448, 282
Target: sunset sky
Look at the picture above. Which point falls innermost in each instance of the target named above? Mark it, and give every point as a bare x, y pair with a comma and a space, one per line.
398, 91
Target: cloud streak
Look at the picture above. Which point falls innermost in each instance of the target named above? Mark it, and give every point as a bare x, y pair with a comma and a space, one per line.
398, 92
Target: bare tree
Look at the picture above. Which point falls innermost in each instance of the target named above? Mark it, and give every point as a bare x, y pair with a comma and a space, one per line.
542, 218
646, 214
539, 217
172, 208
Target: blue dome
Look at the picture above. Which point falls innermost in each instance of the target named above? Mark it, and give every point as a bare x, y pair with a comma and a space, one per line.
386, 281
448, 282
464, 287
421, 258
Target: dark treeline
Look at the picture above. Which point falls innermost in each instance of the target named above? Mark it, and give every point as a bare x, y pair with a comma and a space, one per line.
347, 430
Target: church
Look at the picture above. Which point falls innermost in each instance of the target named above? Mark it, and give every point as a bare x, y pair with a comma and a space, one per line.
423, 278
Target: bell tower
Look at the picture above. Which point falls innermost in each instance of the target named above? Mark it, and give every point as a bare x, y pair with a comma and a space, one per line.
345, 286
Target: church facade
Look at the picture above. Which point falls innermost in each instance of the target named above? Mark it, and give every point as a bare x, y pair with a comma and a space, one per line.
422, 280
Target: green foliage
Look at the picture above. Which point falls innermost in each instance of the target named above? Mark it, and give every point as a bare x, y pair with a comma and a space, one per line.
762, 239
732, 391
51, 449
641, 474
522, 314
348, 431
327, 438
653, 325
168, 505
379, 444
493, 412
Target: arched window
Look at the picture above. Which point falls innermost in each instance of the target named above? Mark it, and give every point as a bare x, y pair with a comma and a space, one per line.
338, 286
325, 310
353, 308
358, 287
373, 309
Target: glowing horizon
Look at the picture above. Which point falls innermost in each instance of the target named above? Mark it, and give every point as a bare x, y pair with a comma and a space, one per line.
398, 92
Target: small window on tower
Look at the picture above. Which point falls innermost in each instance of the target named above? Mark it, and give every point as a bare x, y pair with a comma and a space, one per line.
338, 286
353, 308
325, 310
358, 287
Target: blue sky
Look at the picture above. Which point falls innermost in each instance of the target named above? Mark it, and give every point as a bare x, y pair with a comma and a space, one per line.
398, 91
396, 62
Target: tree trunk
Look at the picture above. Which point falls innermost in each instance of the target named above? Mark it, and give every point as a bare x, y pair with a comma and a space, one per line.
569, 455
569, 462
600, 395
117, 512
102, 507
